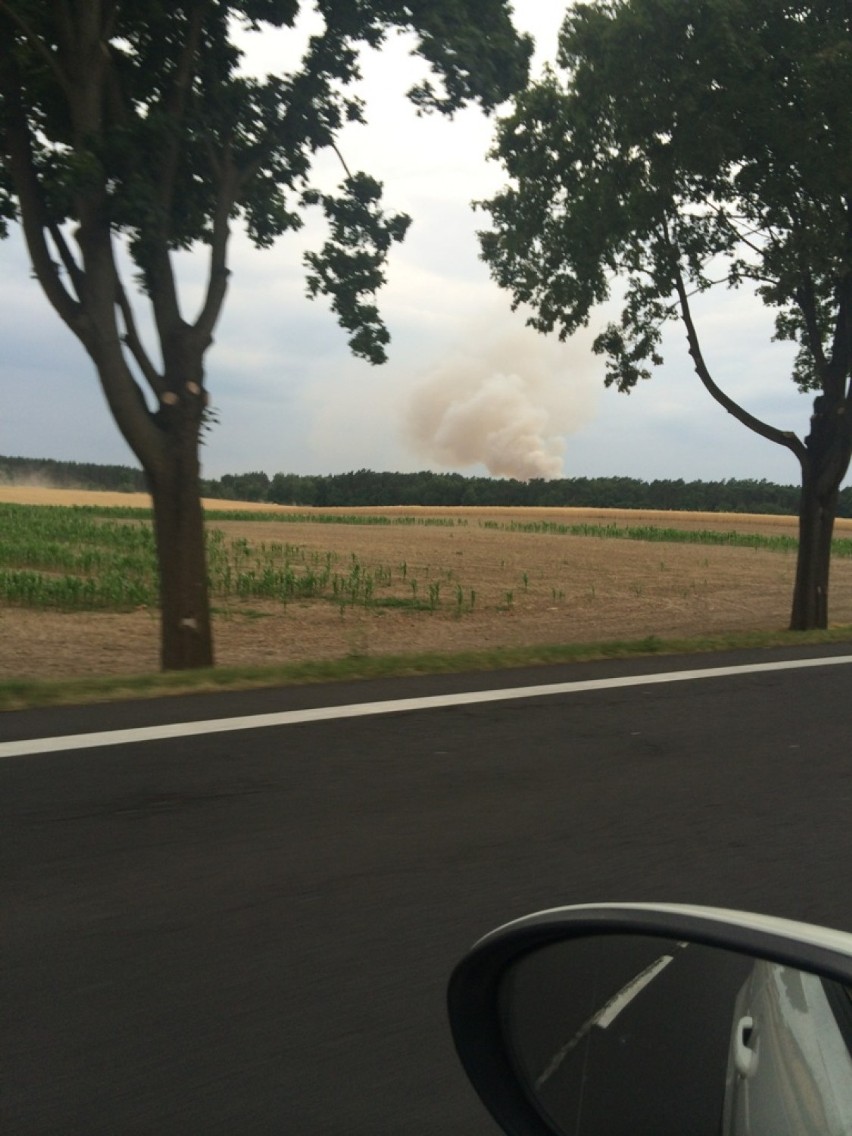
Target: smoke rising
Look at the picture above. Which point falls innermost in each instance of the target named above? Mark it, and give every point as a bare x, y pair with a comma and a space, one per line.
508, 406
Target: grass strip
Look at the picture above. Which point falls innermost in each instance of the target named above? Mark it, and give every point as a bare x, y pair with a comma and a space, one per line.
20, 694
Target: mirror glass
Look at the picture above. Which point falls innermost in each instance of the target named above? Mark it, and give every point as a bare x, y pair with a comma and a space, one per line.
619, 1034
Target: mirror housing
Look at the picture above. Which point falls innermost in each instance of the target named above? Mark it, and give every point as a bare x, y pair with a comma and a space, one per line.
478, 1013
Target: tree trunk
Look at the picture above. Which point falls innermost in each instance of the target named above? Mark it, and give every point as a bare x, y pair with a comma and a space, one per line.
816, 525
186, 636
828, 449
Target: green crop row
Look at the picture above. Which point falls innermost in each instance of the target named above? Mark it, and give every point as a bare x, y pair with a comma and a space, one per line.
337, 519
73, 517
76, 524
76, 559
53, 556
112, 591
776, 542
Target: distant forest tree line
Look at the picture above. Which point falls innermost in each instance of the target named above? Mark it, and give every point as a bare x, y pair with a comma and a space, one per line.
365, 487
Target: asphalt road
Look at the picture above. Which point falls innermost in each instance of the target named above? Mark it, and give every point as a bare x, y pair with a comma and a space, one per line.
251, 931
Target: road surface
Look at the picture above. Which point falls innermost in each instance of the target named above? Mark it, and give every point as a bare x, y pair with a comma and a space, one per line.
251, 930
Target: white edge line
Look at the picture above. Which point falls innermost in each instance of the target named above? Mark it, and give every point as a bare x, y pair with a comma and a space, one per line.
394, 706
604, 1018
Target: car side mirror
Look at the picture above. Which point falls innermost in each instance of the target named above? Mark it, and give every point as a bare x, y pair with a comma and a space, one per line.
656, 1020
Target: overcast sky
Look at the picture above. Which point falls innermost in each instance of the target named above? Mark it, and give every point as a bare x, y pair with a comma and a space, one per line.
468, 387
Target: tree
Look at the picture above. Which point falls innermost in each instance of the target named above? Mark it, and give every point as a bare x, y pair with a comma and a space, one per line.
252, 486
680, 146
132, 124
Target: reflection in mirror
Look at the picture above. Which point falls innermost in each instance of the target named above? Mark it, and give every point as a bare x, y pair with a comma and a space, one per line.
618, 1034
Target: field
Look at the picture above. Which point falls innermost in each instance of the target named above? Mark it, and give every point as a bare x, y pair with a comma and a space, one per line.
78, 587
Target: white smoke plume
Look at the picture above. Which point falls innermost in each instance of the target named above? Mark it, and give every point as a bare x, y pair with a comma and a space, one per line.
508, 406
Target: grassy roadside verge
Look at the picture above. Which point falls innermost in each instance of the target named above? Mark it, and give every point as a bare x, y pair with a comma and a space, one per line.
20, 694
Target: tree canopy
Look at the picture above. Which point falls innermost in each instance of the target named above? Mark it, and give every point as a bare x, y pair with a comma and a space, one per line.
142, 112
676, 147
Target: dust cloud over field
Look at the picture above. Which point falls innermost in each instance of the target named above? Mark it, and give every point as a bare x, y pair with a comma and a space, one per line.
494, 588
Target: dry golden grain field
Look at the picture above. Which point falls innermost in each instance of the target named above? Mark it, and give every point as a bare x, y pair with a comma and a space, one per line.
470, 583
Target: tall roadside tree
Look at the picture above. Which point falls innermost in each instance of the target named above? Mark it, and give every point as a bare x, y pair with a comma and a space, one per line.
681, 145
132, 124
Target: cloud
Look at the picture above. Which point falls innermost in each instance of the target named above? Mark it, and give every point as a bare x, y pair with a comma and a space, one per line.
506, 403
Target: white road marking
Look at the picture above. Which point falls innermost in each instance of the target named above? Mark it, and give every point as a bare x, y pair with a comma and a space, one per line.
620, 1001
603, 1017
393, 706
606, 1015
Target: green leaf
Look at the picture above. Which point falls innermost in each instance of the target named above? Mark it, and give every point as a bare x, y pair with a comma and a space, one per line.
350, 266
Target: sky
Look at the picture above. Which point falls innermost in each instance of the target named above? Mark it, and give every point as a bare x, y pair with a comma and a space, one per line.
468, 387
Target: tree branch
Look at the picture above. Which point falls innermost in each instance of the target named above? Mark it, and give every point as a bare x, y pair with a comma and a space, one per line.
164, 293
28, 190
342, 160
213, 157
64, 26
163, 290
39, 46
75, 273
134, 342
727, 220
839, 367
841, 348
806, 301
764, 429
217, 281
110, 16
292, 126
116, 102
175, 100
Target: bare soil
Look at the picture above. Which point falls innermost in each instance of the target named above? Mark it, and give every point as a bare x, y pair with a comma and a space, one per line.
529, 589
